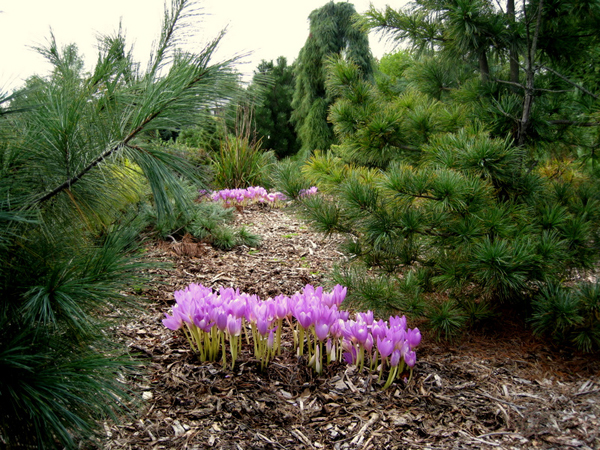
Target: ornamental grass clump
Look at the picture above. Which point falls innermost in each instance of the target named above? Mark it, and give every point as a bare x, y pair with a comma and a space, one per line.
213, 321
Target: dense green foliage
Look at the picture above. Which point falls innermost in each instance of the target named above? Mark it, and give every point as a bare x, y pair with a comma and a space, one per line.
273, 84
332, 32
455, 177
76, 149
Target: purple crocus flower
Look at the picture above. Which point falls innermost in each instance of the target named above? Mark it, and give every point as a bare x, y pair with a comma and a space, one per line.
350, 355
221, 318
410, 358
234, 325
398, 322
339, 294
385, 347
368, 344
360, 331
173, 322
413, 337
271, 339
238, 307
321, 330
379, 329
366, 317
395, 359
282, 306
203, 322
304, 318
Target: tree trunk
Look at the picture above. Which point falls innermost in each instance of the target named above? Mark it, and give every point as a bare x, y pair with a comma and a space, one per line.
513, 55
529, 76
484, 67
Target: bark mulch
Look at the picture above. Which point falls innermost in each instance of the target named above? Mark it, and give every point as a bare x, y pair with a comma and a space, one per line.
497, 388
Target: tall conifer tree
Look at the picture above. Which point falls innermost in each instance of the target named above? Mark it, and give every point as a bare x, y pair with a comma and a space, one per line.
274, 83
332, 32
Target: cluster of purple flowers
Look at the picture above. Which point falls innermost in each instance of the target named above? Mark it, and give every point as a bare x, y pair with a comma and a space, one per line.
253, 194
213, 320
306, 192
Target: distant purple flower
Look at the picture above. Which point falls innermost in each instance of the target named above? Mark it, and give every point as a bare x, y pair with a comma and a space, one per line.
306, 192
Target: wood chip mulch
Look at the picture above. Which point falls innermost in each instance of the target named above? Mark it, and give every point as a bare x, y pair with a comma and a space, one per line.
497, 388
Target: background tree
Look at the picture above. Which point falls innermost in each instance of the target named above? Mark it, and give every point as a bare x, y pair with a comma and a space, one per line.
551, 43
332, 32
273, 85
78, 151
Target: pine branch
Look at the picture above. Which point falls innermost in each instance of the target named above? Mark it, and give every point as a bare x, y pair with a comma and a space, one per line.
574, 123
572, 83
71, 181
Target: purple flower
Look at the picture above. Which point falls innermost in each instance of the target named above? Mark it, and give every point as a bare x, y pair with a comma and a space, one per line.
238, 307
221, 318
306, 192
350, 355
366, 317
413, 337
368, 344
234, 325
262, 325
339, 294
173, 322
379, 329
304, 318
202, 321
398, 322
321, 330
271, 339
385, 347
359, 331
395, 359
410, 358
282, 306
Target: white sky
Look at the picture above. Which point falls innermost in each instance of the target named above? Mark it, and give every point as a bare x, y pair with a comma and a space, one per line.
267, 28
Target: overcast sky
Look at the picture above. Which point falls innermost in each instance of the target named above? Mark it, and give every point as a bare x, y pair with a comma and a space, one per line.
268, 28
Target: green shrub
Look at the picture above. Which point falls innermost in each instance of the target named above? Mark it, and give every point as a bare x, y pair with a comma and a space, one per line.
204, 221
288, 178
569, 315
447, 320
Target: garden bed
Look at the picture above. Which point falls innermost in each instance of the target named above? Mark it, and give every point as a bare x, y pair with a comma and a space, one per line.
498, 388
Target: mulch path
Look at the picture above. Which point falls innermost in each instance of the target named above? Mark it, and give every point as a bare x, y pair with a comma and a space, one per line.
492, 389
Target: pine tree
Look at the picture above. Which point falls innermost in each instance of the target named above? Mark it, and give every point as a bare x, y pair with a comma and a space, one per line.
425, 192
274, 86
332, 32
75, 150
551, 42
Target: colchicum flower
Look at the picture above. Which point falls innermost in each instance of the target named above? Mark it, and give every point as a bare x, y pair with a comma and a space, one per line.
213, 321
